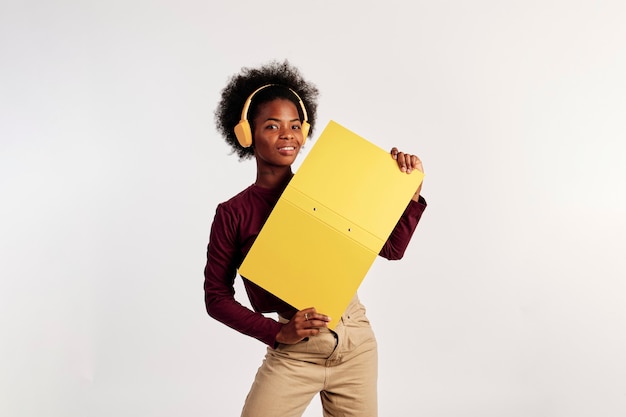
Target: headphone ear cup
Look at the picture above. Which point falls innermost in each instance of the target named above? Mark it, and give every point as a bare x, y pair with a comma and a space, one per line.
305, 131
244, 133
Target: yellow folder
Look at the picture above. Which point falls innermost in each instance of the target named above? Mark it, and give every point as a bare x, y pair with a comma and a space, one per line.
330, 223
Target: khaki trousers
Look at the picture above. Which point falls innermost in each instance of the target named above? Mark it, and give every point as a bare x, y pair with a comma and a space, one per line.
340, 365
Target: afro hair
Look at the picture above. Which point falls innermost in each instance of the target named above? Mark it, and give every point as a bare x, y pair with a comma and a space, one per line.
241, 85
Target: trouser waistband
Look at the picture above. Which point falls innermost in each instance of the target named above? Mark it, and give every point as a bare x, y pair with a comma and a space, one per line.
354, 305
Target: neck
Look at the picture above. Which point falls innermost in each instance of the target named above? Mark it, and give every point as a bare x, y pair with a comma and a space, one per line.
273, 177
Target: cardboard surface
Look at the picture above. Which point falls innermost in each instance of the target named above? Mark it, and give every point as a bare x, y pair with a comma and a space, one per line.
330, 223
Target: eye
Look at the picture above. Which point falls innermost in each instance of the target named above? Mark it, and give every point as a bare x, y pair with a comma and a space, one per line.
271, 127
296, 127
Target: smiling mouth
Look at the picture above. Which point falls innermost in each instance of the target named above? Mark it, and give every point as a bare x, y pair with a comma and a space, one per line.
287, 148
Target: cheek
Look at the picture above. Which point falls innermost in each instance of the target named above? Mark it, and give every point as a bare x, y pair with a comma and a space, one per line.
257, 138
260, 142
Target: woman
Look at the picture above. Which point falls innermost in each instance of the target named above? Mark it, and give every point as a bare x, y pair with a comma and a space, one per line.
266, 113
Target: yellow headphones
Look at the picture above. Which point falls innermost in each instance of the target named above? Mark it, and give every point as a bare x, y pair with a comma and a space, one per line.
243, 132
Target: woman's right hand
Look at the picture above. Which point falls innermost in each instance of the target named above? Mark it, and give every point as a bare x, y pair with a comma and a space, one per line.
305, 323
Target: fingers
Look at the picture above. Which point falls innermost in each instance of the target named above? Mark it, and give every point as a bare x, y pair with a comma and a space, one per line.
308, 322
312, 318
406, 162
305, 323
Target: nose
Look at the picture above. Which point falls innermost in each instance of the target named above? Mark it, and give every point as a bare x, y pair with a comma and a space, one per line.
286, 132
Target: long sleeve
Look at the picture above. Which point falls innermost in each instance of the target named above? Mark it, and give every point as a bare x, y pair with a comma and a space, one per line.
396, 244
223, 257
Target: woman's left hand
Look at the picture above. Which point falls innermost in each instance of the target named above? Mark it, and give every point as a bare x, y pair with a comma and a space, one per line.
407, 163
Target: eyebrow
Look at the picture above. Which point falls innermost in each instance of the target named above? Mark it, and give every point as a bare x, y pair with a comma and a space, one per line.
279, 120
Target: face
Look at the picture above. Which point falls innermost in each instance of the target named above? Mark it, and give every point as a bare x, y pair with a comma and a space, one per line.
277, 133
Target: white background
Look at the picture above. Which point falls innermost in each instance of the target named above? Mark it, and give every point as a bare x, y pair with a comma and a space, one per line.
511, 298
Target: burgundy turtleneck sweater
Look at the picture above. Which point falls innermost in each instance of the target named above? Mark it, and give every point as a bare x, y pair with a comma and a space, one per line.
236, 225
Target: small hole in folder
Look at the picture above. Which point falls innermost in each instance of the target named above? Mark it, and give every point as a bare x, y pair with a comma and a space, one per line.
349, 229
314, 208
